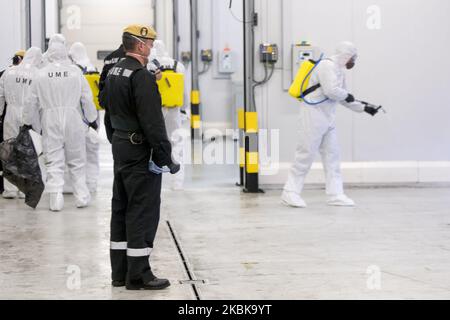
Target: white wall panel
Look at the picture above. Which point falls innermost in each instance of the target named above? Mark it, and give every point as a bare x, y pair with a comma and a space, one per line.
12, 36
100, 23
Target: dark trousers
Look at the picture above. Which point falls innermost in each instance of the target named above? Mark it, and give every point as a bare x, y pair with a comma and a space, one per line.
2, 120
135, 211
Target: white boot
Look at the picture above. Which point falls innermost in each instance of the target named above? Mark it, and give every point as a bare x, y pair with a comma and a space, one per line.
292, 199
81, 193
92, 188
56, 202
340, 201
21, 195
9, 195
82, 204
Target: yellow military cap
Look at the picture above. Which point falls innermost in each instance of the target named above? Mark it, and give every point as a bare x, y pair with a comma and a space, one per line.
141, 31
20, 53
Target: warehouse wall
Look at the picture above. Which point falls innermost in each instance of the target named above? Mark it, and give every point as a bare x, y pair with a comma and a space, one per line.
218, 29
51, 16
99, 24
12, 36
13, 25
164, 22
37, 39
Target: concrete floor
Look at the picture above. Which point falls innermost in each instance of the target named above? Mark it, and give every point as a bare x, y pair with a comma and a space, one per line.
393, 245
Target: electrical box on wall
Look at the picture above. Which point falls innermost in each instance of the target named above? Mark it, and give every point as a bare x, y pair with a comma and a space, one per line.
227, 63
206, 55
268, 53
300, 53
186, 57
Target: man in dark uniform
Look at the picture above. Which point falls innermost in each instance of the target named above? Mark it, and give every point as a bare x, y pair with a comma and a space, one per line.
16, 60
139, 138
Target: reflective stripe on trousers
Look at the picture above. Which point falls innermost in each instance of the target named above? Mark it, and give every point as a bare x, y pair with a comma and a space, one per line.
134, 253
119, 245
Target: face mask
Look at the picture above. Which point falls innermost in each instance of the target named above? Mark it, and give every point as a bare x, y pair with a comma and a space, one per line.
16, 60
143, 42
351, 64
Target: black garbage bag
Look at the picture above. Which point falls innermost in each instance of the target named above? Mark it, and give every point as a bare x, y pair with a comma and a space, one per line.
21, 166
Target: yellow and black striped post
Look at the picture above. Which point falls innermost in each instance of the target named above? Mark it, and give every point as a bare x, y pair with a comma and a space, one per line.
196, 121
251, 115
251, 153
195, 93
241, 126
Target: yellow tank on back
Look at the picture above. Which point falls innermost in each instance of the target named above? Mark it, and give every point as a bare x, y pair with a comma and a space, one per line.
94, 80
303, 73
171, 88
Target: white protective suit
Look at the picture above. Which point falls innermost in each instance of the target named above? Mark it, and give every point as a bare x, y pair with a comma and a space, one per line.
59, 90
14, 87
172, 116
318, 126
79, 56
56, 38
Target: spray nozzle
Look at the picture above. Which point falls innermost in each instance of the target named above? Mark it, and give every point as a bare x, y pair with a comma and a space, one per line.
378, 108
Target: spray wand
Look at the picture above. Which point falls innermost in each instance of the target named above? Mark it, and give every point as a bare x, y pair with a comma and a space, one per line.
378, 108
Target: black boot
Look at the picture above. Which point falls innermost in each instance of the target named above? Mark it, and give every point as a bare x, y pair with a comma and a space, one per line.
155, 284
118, 284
